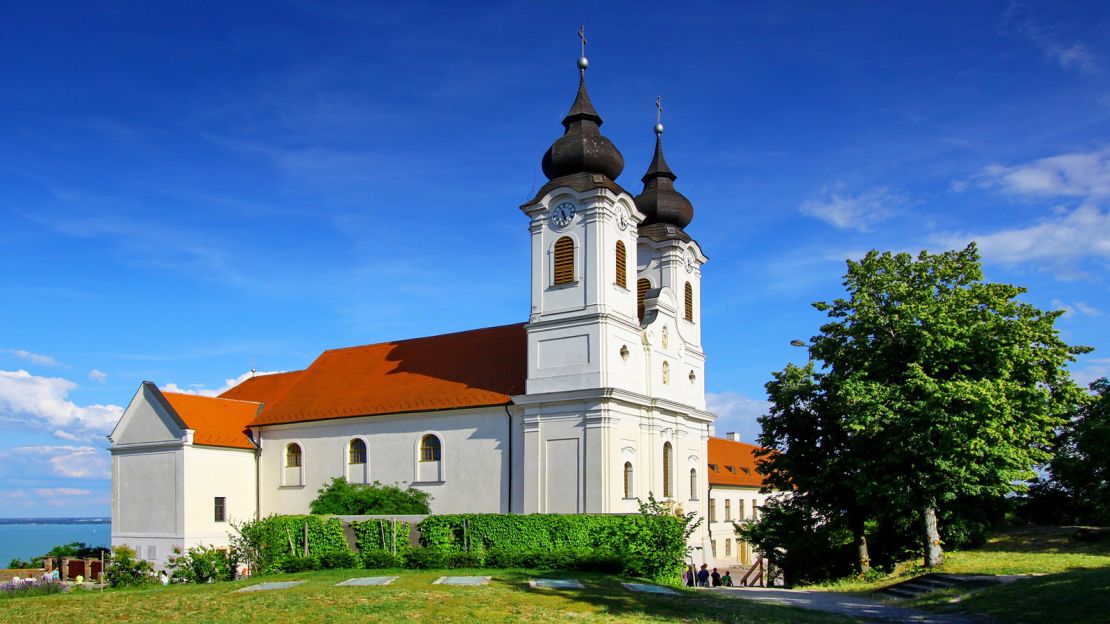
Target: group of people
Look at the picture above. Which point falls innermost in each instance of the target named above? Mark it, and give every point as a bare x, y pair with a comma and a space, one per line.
703, 578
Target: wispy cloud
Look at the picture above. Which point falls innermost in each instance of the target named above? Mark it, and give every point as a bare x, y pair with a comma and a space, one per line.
1068, 54
737, 412
72, 462
1078, 307
98, 376
1075, 174
854, 212
34, 358
228, 385
41, 403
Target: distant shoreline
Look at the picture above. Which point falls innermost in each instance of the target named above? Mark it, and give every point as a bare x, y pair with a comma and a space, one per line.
90, 520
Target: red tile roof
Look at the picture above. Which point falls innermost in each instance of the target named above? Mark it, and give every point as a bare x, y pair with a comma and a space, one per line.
467, 369
214, 421
263, 388
740, 456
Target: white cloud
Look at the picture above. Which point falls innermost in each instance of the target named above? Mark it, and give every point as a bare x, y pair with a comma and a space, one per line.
34, 358
1062, 239
228, 385
61, 491
858, 212
1076, 174
1078, 306
75, 462
41, 403
737, 412
98, 375
1047, 37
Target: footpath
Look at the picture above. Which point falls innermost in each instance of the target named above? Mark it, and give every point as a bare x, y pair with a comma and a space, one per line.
850, 605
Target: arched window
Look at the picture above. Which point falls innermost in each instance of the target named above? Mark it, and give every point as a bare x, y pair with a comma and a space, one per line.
666, 337
693, 484
667, 452
642, 286
666, 373
429, 448
628, 479
689, 302
564, 261
622, 265
356, 453
293, 456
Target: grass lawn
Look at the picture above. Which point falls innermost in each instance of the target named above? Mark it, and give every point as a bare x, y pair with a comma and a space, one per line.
411, 597
1071, 582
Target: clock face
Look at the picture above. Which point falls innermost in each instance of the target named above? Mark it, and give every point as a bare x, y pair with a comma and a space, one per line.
562, 215
689, 262
622, 219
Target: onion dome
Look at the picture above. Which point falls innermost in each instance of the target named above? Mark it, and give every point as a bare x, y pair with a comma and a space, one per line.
582, 148
659, 201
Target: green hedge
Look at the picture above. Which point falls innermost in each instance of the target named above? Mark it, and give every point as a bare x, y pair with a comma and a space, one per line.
651, 545
388, 535
522, 533
265, 544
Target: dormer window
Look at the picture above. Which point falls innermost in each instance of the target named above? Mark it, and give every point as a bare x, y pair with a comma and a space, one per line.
714, 467
731, 469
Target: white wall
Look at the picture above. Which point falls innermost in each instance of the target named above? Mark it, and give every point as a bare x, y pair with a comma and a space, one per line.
211, 472
474, 464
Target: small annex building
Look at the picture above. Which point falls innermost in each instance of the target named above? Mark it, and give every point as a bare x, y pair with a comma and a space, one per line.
596, 401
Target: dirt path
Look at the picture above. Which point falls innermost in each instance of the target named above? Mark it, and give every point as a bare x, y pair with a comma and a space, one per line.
850, 605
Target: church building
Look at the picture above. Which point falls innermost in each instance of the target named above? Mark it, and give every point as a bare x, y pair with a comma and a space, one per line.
594, 402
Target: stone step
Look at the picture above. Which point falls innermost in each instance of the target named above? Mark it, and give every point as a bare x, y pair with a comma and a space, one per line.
900, 592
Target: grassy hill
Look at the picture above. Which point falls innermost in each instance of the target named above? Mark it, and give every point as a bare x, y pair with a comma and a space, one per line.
1069, 579
507, 598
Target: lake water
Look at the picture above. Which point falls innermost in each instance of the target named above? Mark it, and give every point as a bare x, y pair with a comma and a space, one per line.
31, 540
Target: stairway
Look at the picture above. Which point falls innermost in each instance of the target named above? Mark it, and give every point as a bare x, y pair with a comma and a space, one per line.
931, 582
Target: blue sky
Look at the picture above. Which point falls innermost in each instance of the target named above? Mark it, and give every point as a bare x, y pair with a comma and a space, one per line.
187, 191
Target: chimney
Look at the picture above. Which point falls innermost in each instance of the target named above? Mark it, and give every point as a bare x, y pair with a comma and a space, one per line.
733, 435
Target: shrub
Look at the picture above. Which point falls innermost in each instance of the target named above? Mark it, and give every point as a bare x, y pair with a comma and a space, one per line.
375, 559
338, 560
300, 564
473, 559
126, 571
423, 558
202, 564
340, 497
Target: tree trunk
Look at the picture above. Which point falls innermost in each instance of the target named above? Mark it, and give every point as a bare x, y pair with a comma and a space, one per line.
934, 556
861, 546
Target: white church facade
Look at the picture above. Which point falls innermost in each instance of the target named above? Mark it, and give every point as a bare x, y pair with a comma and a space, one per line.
596, 401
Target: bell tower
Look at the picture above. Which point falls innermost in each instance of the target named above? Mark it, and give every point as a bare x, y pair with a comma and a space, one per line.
584, 235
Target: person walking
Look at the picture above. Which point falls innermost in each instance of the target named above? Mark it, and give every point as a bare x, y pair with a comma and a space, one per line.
703, 576
691, 576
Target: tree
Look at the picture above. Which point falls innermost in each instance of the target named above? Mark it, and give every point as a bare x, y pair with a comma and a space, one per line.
1080, 470
934, 386
342, 498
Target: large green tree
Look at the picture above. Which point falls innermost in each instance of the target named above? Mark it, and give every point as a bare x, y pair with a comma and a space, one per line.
933, 385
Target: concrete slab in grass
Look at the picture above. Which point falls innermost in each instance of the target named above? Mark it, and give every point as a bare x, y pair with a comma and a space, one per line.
461, 580
271, 586
556, 583
367, 581
650, 589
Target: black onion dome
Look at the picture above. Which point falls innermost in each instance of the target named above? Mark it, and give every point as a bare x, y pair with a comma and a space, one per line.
582, 148
659, 201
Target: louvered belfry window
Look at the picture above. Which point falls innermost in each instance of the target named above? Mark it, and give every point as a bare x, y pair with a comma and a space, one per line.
564, 261
689, 302
622, 265
642, 286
